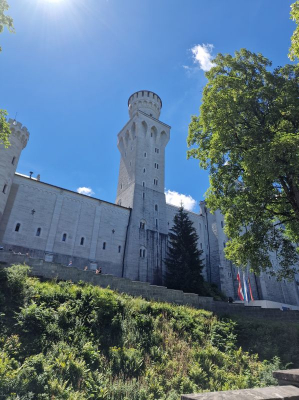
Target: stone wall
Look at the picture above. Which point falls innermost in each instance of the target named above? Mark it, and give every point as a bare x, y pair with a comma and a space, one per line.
288, 390
151, 292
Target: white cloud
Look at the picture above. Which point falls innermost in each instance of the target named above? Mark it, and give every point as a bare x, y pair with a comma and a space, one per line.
176, 199
202, 55
85, 190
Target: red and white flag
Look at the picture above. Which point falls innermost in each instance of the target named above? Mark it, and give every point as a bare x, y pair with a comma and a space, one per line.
240, 290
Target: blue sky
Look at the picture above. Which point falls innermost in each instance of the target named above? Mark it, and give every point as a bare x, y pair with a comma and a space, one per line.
72, 65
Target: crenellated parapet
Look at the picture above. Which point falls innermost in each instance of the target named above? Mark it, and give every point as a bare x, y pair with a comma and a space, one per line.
146, 101
19, 131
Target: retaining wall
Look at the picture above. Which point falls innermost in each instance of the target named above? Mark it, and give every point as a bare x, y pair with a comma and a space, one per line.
151, 292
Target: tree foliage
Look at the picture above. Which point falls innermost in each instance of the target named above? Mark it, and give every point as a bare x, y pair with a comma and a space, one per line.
183, 262
5, 20
247, 136
4, 129
294, 49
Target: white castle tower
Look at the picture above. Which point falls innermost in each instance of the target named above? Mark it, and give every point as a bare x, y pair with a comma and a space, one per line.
142, 144
9, 158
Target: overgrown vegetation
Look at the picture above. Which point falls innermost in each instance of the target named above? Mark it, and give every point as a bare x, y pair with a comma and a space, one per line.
67, 341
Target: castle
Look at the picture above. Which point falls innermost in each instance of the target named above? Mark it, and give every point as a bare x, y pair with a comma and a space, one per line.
127, 239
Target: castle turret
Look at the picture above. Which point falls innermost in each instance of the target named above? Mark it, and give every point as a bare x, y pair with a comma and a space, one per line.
142, 144
9, 158
146, 101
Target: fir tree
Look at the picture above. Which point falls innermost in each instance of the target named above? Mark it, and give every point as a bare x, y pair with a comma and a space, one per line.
183, 261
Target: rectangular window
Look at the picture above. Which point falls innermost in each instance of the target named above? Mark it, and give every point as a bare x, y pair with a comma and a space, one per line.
104, 245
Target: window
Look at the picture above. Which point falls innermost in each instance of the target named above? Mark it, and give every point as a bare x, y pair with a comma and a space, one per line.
121, 185
143, 184
142, 224
144, 170
104, 245
119, 249
156, 223
17, 228
82, 241
130, 163
156, 166
4, 189
221, 224
201, 245
38, 232
142, 253
13, 160
223, 244
143, 195
144, 154
156, 150
156, 207
64, 237
156, 182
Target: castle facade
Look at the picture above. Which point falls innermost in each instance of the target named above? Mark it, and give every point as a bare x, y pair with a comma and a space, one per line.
126, 239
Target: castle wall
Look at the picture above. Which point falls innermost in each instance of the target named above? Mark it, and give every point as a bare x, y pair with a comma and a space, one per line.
57, 212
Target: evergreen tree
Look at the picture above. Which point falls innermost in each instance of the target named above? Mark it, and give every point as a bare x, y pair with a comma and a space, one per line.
183, 261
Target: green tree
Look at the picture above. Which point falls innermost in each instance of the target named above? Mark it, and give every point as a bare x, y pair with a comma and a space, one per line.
247, 136
4, 129
294, 49
5, 20
183, 262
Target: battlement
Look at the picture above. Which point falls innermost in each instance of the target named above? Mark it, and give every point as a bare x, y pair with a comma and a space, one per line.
20, 131
146, 101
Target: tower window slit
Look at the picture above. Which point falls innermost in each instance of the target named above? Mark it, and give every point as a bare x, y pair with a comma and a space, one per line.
4, 189
119, 249
13, 160
82, 241
104, 245
17, 228
64, 237
38, 232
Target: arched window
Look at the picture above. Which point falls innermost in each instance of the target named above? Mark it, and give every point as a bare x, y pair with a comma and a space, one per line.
104, 245
143, 184
142, 224
142, 252
64, 236
144, 154
144, 170
17, 228
156, 207
82, 241
143, 195
4, 189
119, 249
38, 232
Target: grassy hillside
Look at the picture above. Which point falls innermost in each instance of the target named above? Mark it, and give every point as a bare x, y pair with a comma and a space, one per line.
67, 341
